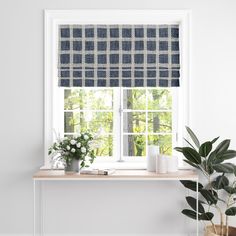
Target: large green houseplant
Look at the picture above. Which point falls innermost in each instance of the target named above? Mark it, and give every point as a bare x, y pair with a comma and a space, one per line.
217, 194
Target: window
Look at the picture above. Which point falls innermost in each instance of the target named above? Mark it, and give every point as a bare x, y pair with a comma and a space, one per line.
128, 119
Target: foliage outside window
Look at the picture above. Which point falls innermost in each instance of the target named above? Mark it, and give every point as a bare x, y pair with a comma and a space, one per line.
128, 119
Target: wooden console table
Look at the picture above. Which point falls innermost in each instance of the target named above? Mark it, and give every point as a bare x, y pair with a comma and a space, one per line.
119, 175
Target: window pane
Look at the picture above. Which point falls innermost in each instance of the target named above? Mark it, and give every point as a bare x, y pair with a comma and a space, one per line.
134, 122
88, 121
106, 148
95, 99
159, 122
134, 99
159, 99
134, 145
163, 141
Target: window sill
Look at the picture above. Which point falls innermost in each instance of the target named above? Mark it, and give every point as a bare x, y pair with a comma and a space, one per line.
120, 166
112, 165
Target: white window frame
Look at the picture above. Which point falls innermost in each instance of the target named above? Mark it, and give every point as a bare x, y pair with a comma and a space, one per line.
55, 17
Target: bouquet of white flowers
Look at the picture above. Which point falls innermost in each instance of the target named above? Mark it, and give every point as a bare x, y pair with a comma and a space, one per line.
77, 147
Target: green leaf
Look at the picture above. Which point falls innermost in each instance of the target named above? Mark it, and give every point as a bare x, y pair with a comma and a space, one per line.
189, 143
191, 214
192, 155
205, 149
192, 185
230, 190
192, 202
231, 211
223, 168
210, 196
214, 140
211, 158
192, 164
206, 216
178, 149
208, 167
223, 146
220, 182
222, 156
229, 154
193, 137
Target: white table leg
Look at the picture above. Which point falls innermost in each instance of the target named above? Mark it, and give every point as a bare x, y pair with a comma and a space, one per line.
34, 209
197, 205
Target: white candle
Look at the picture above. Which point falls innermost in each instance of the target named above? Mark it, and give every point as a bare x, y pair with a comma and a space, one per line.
172, 164
153, 151
161, 164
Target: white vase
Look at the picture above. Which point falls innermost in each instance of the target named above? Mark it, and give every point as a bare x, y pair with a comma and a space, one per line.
152, 153
72, 167
161, 164
172, 164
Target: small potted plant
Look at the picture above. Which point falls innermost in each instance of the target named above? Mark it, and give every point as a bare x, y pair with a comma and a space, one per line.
73, 152
218, 194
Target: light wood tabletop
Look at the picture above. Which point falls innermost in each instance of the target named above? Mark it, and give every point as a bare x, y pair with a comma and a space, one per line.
117, 175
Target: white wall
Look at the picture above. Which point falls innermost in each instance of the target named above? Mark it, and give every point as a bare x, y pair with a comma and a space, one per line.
212, 112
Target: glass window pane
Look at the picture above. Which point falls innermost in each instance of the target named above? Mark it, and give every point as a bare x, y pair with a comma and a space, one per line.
159, 122
159, 99
88, 121
95, 99
99, 99
163, 141
134, 122
134, 145
106, 146
73, 99
134, 99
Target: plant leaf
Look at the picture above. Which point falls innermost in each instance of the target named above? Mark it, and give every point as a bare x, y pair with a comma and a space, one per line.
191, 164
192, 185
207, 167
231, 211
220, 182
193, 137
178, 149
229, 154
206, 216
223, 168
211, 158
189, 143
210, 196
192, 155
192, 202
205, 149
191, 214
223, 146
230, 190
214, 140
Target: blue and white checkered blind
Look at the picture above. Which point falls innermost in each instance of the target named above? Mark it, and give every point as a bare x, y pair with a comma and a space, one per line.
119, 56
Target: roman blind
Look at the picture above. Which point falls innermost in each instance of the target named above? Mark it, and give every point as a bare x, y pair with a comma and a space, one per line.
118, 56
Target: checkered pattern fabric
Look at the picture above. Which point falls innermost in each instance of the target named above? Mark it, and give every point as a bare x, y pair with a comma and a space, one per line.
118, 56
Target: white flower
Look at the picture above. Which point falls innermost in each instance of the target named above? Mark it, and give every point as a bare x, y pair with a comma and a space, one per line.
72, 142
78, 135
78, 145
83, 150
68, 147
86, 137
72, 150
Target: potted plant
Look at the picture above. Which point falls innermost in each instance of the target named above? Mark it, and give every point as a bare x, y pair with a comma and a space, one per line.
73, 151
218, 194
